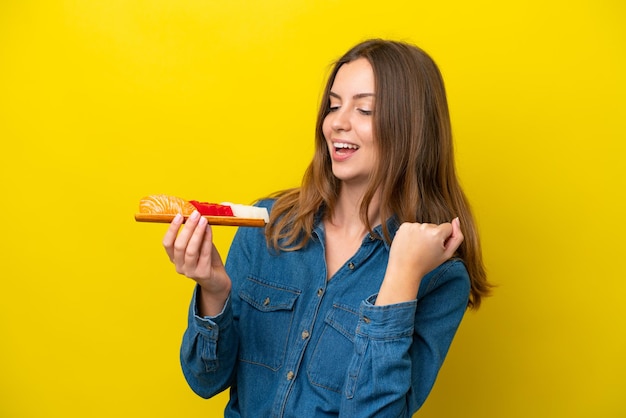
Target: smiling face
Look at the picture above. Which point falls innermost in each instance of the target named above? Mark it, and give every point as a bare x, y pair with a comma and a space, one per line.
348, 127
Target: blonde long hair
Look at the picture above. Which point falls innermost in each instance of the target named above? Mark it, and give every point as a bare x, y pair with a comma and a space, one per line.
415, 176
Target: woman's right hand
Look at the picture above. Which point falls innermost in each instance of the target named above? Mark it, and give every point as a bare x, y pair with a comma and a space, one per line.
194, 255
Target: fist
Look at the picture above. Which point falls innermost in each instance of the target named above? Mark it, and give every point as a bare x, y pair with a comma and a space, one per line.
419, 248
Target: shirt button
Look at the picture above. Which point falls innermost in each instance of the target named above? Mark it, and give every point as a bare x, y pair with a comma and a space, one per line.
320, 291
372, 238
289, 375
305, 334
351, 265
266, 302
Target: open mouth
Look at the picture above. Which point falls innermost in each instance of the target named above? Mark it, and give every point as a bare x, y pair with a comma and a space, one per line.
345, 148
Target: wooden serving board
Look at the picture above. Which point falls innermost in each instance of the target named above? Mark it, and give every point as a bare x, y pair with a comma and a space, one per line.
213, 220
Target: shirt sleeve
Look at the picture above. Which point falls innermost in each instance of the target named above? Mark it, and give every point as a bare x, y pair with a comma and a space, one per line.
400, 348
208, 351
209, 348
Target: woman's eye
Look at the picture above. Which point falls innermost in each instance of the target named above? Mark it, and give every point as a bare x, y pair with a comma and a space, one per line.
333, 108
365, 112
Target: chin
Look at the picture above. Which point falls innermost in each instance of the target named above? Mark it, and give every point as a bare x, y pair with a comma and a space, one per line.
350, 178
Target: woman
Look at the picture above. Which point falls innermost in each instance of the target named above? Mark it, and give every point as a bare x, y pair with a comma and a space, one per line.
346, 304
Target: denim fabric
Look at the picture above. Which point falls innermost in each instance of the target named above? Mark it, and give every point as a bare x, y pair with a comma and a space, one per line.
289, 343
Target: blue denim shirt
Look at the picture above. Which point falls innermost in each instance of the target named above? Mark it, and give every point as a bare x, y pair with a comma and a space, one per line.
290, 343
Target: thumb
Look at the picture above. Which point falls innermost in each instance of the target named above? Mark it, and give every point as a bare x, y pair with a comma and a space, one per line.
216, 258
455, 239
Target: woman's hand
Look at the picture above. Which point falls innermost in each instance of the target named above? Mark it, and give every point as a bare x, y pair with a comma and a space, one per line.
194, 255
416, 250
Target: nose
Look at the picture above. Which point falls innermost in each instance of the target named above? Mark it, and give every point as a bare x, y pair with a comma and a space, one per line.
340, 120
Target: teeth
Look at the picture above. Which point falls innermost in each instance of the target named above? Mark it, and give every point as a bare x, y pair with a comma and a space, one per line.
345, 145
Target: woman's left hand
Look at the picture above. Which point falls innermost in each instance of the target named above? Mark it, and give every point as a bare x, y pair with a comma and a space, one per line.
416, 250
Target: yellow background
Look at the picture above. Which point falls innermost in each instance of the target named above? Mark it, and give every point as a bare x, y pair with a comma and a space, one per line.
102, 102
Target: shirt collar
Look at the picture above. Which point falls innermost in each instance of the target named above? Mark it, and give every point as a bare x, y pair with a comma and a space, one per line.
392, 226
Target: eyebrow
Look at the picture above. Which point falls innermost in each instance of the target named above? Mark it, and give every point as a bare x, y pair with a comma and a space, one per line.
356, 96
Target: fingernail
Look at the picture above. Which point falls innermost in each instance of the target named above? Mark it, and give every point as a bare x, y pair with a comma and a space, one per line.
195, 215
178, 217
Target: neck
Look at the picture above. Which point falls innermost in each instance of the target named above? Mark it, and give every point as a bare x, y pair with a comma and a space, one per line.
346, 214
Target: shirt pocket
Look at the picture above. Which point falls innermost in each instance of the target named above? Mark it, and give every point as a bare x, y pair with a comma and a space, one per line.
265, 321
334, 349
